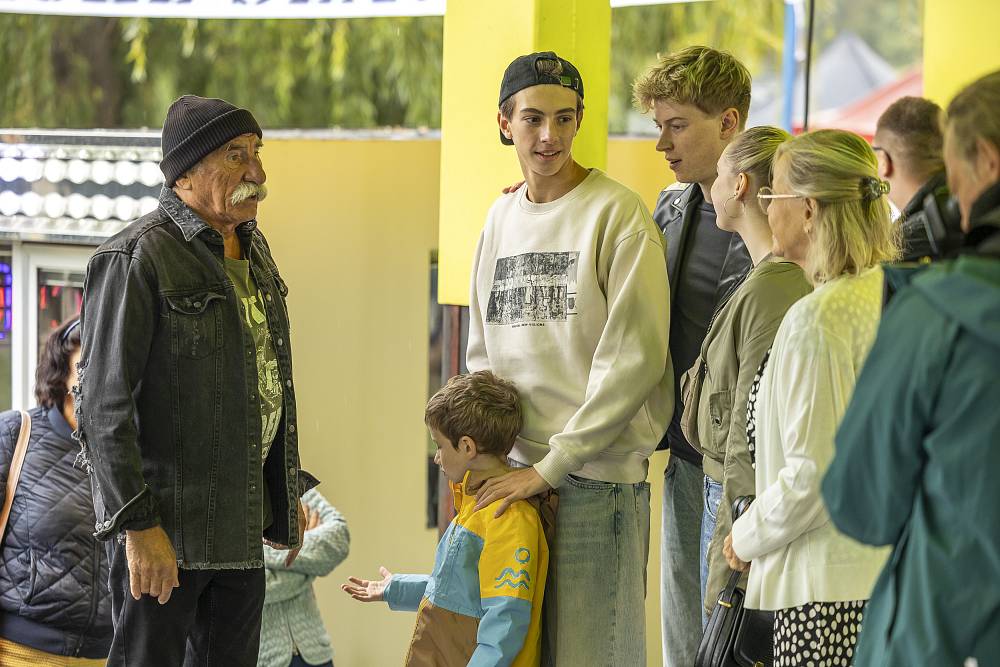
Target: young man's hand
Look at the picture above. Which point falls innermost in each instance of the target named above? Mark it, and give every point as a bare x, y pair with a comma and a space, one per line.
512, 188
368, 591
516, 485
731, 557
152, 563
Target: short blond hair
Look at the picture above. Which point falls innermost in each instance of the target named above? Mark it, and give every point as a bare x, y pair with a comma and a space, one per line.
972, 114
480, 405
853, 227
709, 79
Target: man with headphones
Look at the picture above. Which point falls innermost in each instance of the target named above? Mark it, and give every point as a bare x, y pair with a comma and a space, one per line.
908, 143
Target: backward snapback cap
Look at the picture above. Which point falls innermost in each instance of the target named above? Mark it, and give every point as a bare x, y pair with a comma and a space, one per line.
196, 126
523, 73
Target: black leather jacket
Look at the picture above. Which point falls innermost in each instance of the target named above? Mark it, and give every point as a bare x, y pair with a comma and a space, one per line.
169, 414
53, 573
675, 214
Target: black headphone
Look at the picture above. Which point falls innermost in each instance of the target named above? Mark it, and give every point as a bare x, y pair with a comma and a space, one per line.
939, 224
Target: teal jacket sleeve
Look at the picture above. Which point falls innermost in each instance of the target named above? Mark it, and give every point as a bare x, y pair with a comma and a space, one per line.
405, 591
870, 486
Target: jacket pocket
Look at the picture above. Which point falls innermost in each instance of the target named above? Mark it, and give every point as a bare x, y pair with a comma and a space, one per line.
719, 414
195, 323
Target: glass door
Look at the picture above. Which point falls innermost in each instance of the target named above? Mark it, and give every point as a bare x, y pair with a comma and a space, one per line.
51, 292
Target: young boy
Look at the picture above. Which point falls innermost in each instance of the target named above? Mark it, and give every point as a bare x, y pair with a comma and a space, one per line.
569, 300
482, 603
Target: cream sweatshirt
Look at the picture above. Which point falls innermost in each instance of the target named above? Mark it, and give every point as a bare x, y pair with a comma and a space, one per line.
570, 302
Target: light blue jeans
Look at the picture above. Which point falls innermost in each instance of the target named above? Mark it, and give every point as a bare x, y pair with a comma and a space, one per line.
712, 496
596, 590
680, 594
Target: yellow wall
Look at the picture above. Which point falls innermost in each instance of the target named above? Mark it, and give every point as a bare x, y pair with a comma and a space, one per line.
960, 45
352, 225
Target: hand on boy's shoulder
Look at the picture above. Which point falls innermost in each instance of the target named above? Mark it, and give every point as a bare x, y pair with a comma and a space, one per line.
514, 486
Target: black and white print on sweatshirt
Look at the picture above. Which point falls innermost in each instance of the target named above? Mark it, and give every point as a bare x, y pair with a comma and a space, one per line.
533, 288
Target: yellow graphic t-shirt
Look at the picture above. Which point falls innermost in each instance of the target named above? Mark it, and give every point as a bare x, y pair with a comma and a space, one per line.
268, 378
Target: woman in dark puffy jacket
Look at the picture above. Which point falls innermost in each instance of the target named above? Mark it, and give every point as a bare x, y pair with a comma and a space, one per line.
54, 603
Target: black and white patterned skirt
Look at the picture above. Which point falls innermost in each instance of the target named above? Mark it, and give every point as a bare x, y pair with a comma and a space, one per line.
817, 634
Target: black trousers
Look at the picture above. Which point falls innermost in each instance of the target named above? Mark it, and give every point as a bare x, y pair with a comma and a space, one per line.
211, 620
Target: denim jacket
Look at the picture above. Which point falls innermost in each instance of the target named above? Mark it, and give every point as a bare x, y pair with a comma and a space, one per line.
168, 405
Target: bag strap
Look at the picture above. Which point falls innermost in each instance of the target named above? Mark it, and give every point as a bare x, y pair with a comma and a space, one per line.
16, 462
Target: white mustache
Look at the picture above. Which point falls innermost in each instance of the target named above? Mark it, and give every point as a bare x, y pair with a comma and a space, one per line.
246, 190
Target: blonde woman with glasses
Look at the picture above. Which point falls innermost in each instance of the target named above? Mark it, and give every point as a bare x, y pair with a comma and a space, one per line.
741, 331
828, 213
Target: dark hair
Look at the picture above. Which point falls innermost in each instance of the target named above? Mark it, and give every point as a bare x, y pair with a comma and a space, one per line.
480, 405
53, 364
915, 125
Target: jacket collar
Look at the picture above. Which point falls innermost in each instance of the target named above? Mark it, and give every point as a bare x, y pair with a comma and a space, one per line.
916, 202
473, 481
681, 202
190, 224
59, 423
984, 221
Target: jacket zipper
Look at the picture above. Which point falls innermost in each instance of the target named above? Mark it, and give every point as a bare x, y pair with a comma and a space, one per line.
95, 596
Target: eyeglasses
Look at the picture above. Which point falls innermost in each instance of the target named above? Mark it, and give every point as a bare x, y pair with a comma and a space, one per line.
766, 195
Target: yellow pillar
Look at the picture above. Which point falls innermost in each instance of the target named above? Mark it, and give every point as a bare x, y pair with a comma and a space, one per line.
960, 45
480, 40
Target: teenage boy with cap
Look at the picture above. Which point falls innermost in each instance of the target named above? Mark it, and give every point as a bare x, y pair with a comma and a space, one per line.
569, 292
191, 445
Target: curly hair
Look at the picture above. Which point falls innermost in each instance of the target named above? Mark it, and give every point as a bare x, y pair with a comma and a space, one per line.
53, 364
480, 405
709, 79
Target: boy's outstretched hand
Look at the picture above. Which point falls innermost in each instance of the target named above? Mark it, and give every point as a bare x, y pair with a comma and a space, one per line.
516, 485
367, 591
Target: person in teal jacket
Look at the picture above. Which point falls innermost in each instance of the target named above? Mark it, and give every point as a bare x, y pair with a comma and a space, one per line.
918, 449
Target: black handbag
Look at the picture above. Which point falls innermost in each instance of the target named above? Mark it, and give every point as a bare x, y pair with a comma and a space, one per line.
735, 636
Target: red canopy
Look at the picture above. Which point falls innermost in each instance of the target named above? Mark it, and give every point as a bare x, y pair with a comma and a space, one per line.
861, 116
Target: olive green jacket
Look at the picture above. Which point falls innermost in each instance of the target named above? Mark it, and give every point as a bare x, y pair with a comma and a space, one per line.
739, 337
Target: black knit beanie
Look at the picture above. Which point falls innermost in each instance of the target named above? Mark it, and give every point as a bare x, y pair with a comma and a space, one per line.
196, 126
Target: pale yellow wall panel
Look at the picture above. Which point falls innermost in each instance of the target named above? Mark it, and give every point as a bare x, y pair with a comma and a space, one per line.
635, 163
960, 45
352, 225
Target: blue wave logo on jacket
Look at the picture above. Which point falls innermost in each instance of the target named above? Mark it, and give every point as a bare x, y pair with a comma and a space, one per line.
519, 579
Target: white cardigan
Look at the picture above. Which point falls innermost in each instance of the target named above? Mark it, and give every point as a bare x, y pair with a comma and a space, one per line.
796, 554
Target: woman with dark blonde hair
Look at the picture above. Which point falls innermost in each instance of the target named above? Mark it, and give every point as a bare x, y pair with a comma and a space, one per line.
828, 213
55, 608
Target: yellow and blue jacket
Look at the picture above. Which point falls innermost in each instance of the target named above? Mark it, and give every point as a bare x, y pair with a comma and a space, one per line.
482, 604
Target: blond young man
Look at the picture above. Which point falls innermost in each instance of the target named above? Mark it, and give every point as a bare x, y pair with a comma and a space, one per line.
569, 292
699, 98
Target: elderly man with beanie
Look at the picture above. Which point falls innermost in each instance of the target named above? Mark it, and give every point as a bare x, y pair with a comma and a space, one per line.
186, 404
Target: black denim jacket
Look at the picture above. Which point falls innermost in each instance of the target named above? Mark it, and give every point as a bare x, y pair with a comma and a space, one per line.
168, 406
